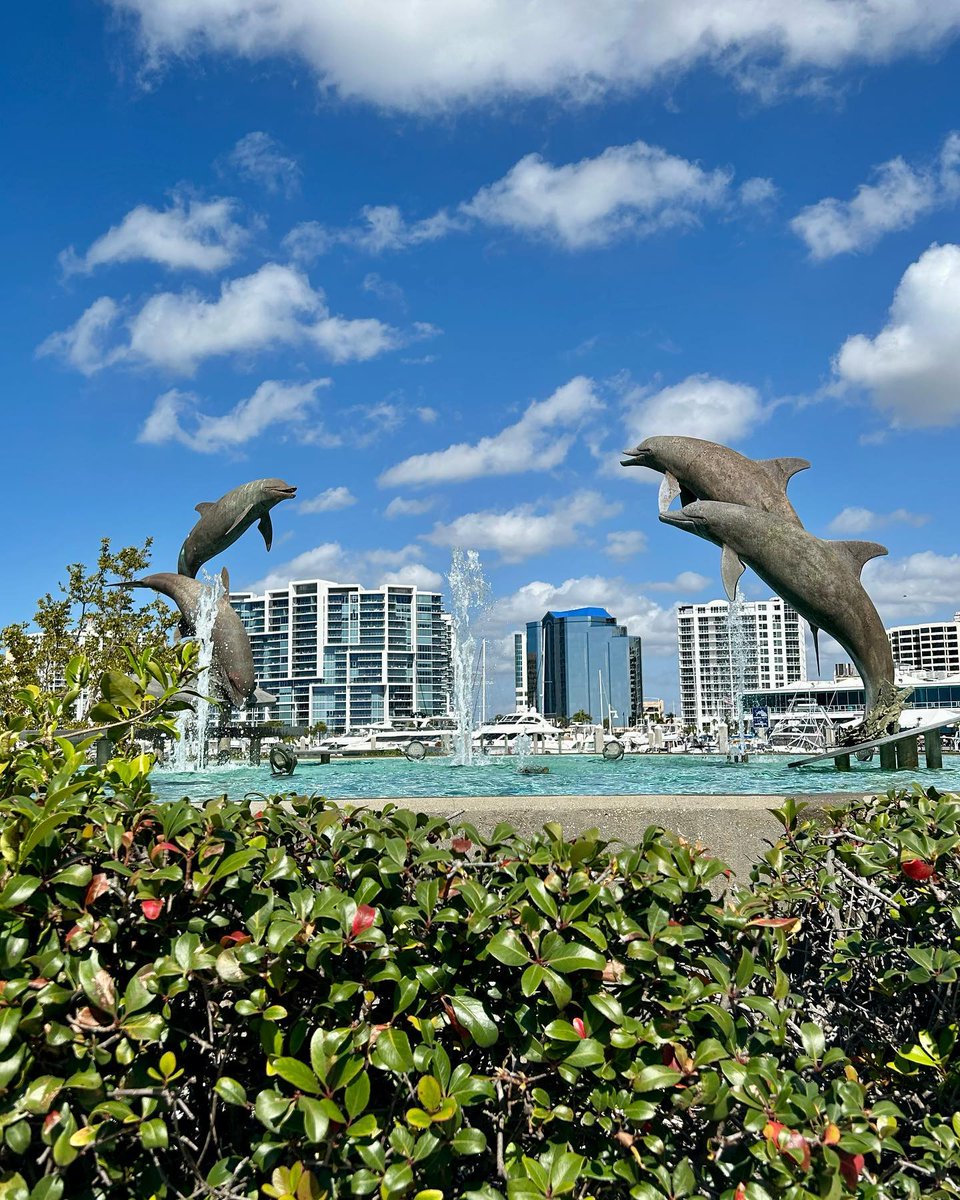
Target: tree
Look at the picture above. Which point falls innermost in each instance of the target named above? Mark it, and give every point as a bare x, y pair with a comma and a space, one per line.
580, 717
89, 616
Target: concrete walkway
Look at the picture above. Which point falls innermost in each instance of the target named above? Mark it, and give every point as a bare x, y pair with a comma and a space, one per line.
737, 829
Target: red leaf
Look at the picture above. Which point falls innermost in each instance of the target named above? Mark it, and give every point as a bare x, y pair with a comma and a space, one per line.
151, 908
72, 934
165, 846
362, 920
237, 938
851, 1166
579, 1026
460, 845
917, 870
98, 885
52, 1117
668, 1057
740, 1193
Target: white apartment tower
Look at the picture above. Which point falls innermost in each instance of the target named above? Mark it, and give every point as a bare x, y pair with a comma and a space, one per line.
932, 647
774, 654
347, 655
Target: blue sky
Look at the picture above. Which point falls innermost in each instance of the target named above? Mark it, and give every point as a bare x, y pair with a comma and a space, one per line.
438, 263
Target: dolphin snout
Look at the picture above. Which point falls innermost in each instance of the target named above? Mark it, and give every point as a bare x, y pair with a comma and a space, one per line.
639, 457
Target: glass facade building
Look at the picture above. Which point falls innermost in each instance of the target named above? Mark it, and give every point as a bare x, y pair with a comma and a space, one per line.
346, 655
582, 660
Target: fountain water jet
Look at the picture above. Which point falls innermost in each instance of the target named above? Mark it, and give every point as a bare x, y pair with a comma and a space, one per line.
190, 749
468, 594
738, 644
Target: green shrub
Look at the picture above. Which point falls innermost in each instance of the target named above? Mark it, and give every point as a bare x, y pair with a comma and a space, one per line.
312, 1001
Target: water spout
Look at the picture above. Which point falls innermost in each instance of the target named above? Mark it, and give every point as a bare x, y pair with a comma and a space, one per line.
468, 593
193, 725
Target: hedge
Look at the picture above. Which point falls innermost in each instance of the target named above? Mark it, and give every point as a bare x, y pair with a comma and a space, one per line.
296, 999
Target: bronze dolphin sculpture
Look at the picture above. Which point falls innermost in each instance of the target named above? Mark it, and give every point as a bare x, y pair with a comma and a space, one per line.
224, 520
232, 665
821, 579
694, 469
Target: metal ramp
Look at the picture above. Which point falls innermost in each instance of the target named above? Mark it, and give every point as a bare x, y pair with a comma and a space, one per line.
889, 740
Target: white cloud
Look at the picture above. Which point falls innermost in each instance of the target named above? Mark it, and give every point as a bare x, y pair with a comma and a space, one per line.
638, 189
399, 507
912, 367
189, 235
539, 441
273, 403
858, 520
368, 567
307, 242
625, 543
521, 532
699, 406
655, 624
260, 158
414, 575
900, 195
177, 331
685, 582
427, 415
84, 344
386, 289
439, 53
921, 585
328, 501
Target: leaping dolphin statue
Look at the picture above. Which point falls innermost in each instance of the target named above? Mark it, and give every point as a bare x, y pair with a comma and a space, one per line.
232, 666
821, 579
224, 520
694, 469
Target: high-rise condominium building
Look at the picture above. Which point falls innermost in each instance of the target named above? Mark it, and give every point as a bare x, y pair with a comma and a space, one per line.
931, 647
348, 655
580, 660
770, 640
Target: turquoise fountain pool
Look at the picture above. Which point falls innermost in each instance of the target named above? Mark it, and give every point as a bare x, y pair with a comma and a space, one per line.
568, 775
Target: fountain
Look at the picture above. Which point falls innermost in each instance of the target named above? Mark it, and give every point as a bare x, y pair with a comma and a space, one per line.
468, 594
737, 644
193, 725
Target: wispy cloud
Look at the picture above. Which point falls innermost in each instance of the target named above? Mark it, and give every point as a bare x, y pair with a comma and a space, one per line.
176, 417
539, 441
861, 520
328, 501
261, 159
899, 195
189, 235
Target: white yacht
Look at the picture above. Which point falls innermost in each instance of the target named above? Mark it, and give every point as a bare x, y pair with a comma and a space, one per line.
397, 734
511, 725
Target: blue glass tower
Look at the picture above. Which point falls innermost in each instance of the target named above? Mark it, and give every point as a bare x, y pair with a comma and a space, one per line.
582, 660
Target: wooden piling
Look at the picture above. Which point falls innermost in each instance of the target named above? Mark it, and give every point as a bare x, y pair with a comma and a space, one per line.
908, 757
888, 757
933, 749
842, 762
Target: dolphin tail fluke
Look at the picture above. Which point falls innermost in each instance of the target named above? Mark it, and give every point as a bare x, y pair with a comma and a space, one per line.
816, 645
782, 470
266, 528
731, 568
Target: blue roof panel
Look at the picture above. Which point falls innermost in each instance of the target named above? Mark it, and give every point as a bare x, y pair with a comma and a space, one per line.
582, 612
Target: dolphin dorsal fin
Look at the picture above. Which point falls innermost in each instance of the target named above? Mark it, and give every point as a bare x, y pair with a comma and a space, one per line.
202, 507
783, 469
731, 568
225, 580
860, 553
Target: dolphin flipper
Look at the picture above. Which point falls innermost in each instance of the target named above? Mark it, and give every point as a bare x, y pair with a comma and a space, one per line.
731, 568
266, 528
783, 469
669, 491
816, 645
